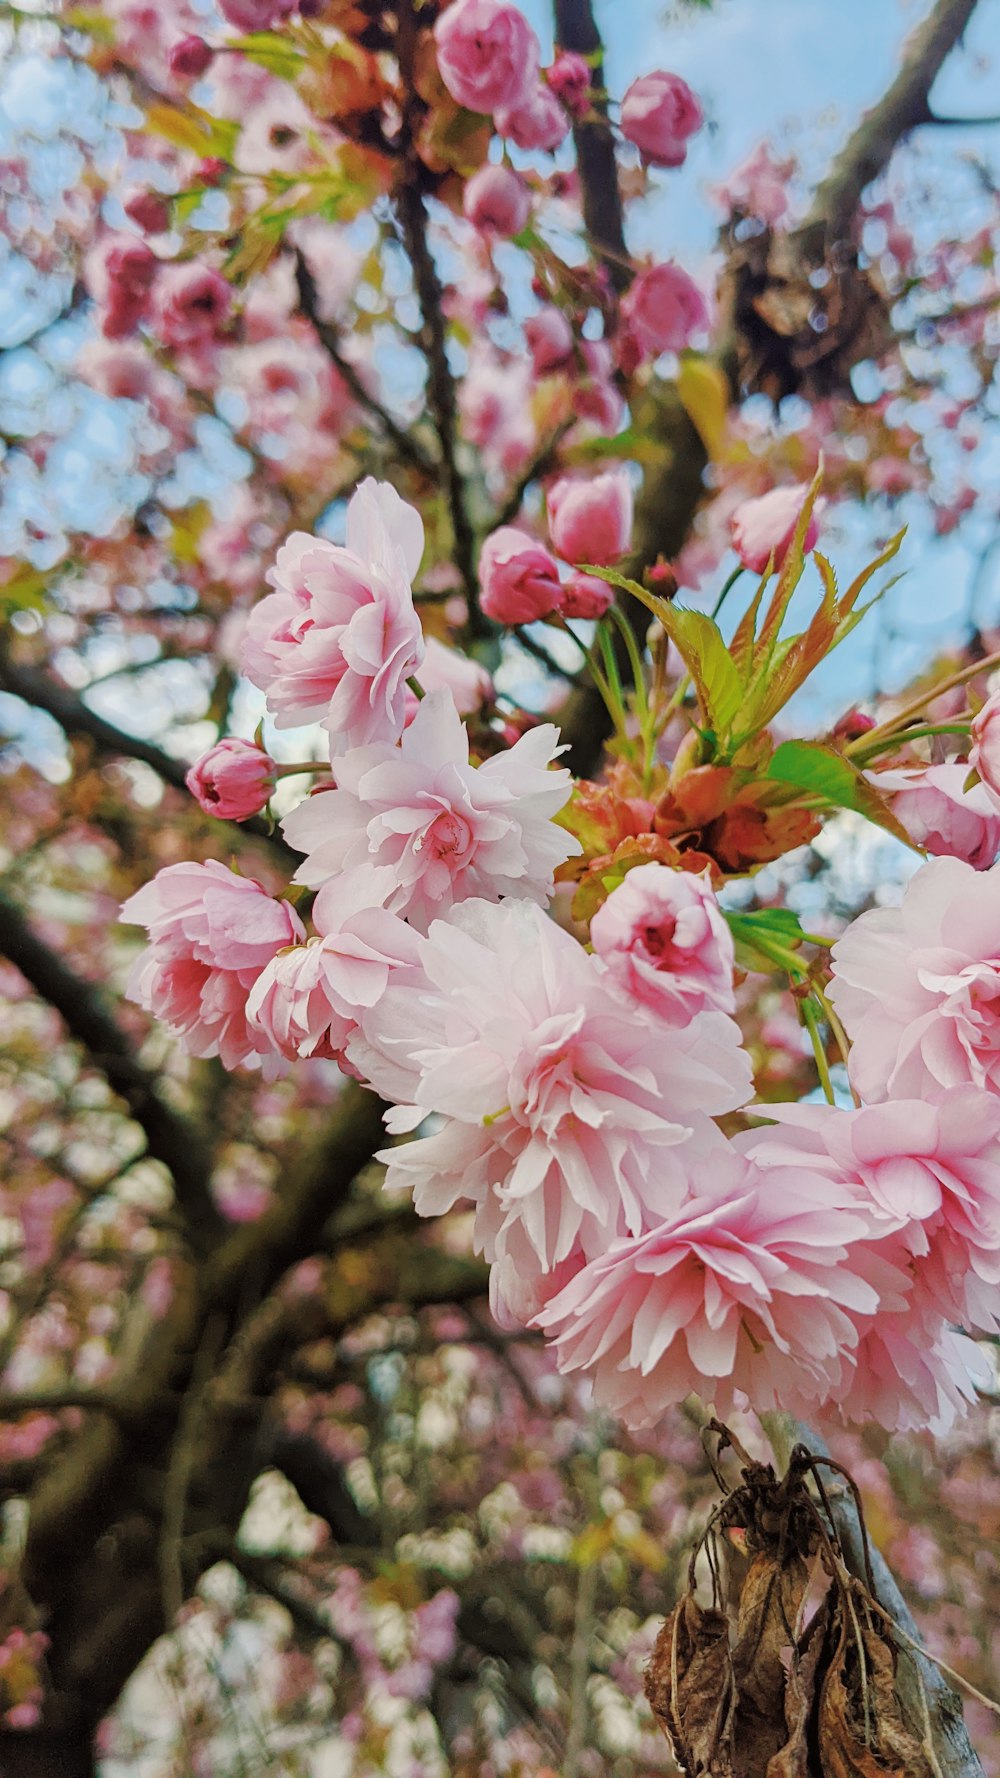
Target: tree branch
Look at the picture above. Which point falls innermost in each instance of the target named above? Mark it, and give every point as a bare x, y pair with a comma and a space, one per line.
170, 1138
603, 216
76, 718
956, 1755
407, 445
903, 108
441, 397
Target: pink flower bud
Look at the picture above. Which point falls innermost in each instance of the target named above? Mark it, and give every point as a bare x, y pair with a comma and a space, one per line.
519, 579
659, 113
767, 525
985, 753
497, 201
233, 780
591, 521
487, 53
550, 339
663, 308
586, 596
538, 122
148, 210
211, 171
852, 725
189, 57
569, 78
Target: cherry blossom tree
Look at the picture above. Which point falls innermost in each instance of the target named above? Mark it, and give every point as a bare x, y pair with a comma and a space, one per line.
457, 1042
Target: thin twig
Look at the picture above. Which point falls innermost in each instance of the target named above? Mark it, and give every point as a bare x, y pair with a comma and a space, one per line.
441, 394
541, 463
406, 443
171, 1138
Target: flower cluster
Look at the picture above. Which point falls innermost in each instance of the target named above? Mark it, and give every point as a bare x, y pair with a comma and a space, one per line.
573, 1093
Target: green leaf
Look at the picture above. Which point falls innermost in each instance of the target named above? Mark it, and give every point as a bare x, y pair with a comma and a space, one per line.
765, 939
187, 126
271, 51
821, 771
25, 590
716, 678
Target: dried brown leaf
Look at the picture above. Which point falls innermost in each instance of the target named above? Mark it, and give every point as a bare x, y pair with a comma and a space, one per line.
765, 1632
689, 1684
887, 1750
793, 1760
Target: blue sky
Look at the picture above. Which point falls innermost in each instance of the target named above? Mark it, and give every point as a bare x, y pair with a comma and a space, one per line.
798, 71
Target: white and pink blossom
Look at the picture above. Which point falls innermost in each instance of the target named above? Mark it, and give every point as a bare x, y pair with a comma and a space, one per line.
447, 829
918, 987
590, 520
339, 636
664, 937
943, 817
307, 999
763, 528
487, 53
211, 933
563, 1118
746, 1287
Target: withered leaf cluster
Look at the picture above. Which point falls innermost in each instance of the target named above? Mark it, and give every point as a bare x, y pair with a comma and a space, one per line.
790, 1671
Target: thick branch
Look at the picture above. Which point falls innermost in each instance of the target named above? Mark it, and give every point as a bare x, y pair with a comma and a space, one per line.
76, 718
956, 1755
441, 396
576, 29
255, 1255
170, 1138
407, 445
903, 108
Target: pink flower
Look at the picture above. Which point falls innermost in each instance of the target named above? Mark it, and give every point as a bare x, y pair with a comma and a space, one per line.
537, 122
519, 579
765, 527
570, 78
444, 669
233, 780
659, 113
746, 1287
591, 521
447, 829
496, 201
487, 53
984, 756
918, 986
663, 308
192, 305
563, 1118
927, 1174
339, 636
550, 339
306, 1001
940, 815
211, 934
585, 596
758, 187
663, 935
